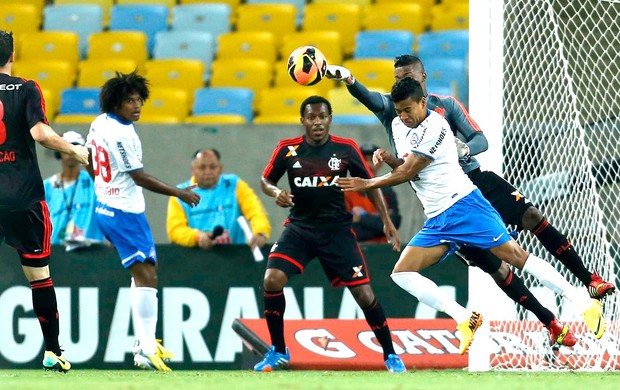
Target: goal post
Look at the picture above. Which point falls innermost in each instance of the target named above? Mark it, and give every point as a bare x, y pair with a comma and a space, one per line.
544, 80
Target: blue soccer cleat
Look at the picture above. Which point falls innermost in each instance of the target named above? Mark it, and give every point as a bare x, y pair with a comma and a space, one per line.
395, 364
273, 361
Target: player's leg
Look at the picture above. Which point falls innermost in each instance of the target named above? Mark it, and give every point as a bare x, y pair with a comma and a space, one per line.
29, 231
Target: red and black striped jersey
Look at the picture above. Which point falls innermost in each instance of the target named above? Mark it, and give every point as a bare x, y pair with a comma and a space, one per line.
312, 173
21, 107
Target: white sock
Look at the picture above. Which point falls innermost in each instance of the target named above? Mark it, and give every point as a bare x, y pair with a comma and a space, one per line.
428, 293
144, 313
551, 278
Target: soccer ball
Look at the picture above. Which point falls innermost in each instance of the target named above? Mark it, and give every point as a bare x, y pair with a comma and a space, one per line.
307, 65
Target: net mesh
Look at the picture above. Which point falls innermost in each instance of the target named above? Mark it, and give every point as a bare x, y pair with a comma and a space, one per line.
561, 114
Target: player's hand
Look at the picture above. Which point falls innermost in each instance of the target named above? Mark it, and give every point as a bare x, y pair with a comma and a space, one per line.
461, 148
383, 156
352, 184
339, 73
284, 198
188, 196
258, 240
391, 233
80, 153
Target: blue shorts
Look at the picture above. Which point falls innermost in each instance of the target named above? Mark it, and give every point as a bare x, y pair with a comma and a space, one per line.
129, 233
471, 221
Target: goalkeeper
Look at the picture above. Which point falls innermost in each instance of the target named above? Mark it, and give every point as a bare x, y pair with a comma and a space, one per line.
514, 208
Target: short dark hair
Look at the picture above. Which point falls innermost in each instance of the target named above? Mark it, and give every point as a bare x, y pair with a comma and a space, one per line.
406, 88
6, 47
368, 149
116, 89
213, 150
407, 59
315, 100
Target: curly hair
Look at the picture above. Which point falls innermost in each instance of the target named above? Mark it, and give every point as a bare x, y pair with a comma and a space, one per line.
118, 88
6, 47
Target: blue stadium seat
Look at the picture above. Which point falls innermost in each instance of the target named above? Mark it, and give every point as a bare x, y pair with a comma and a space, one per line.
383, 44
83, 19
213, 18
82, 101
355, 119
148, 18
444, 44
219, 101
195, 45
450, 73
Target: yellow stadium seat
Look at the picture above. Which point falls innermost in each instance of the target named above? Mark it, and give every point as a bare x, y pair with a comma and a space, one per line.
426, 6
216, 119
343, 18
249, 73
166, 105
394, 16
106, 6
248, 44
277, 119
94, 73
52, 75
20, 18
37, 3
51, 102
451, 16
373, 73
343, 103
170, 73
129, 45
283, 101
278, 19
77, 119
358, 2
49, 45
283, 80
326, 41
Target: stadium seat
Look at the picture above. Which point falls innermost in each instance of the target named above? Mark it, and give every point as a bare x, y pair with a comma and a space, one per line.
450, 73
343, 18
82, 19
129, 45
348, 110
94, 73
394, 16
452, 16
210, 18
20, 18
216, 119
444, 44
51, 102
52, 75
299, 5
282, 101
165, 105
249, 44
438, 89
354, 119
283, 80
277, 119
232, 3
326, 41
373, 73
383, 44
105, 5
168, 3
49, 45
37, 3
278, 19
425, 8
250, 73
223, 102
194, 45
148, 18
82, 101
170, 73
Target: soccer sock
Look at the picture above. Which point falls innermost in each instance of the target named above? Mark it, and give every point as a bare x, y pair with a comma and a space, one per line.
46, 308
515, 289
559, 246
551, 278
378, 324
275, 304
428, 293
144, 312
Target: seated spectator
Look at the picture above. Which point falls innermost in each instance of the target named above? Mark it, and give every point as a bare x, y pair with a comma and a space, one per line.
70, 196
223, 198
367, 223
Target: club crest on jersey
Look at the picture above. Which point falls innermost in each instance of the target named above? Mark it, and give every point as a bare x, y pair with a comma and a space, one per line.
334, 163
316, 181
414, 140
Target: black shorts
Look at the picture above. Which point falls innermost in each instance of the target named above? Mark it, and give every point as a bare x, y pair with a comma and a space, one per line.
29, 231
509, 202
337, 250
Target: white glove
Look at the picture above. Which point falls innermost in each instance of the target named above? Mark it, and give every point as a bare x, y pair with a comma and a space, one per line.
340, 73
461, 148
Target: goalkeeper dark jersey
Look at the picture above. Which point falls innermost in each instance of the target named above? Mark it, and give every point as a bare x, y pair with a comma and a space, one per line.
21, 107
312, 172
449, 107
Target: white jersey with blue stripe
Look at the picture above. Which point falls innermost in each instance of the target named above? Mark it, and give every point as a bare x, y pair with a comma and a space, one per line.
116, 151
442, 183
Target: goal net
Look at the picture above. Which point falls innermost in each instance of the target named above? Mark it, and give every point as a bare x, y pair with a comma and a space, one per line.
546, 76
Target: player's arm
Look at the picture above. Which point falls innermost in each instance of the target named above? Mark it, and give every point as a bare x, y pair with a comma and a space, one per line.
372, 100
48, 138
458, 117
151, 183
283, 197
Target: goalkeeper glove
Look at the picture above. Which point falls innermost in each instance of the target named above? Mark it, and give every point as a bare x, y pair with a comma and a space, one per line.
461, 148
340, 73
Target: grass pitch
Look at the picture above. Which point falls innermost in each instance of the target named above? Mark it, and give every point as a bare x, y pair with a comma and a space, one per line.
358, 380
